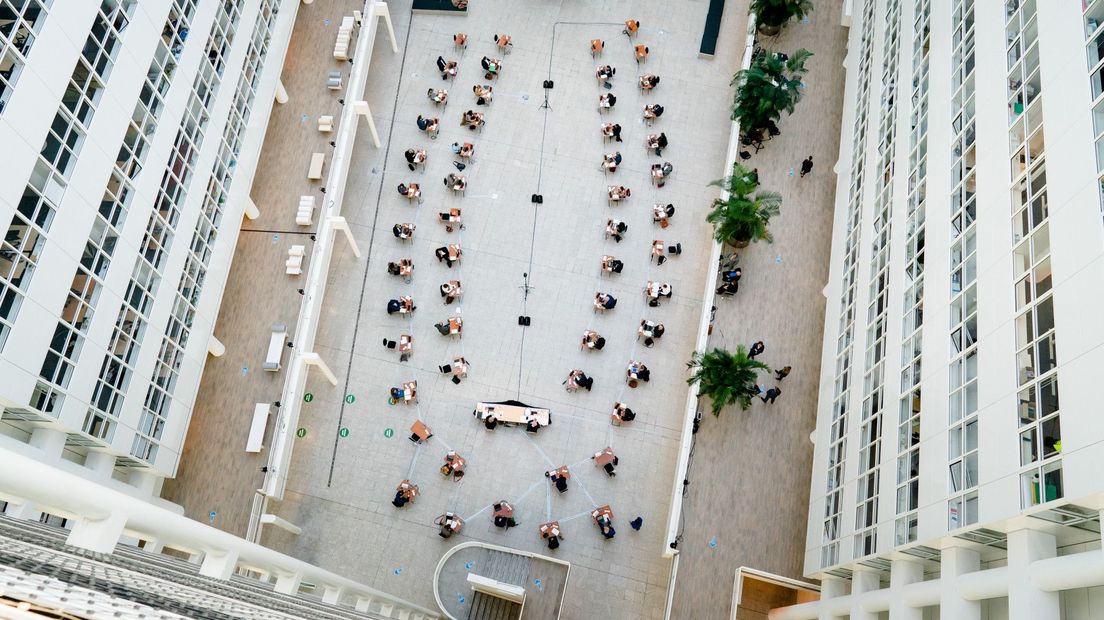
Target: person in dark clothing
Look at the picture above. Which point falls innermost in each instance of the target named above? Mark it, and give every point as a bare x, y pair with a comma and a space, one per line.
772, 394
756, 349
617, 132
807, 166
782, 373
732, 275
637, 523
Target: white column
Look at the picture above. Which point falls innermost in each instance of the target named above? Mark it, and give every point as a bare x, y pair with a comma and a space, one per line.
901, 574
863, 581
27, 510
954, 562
381, 10
831, 587
363, 603
147, 481
100, 462
361, 108
219, 564
251, 210
215, 347
50, 441
100, 535
339, 223
332, 595
1025, 601
153, 545
281, 92
288, 583
313, 359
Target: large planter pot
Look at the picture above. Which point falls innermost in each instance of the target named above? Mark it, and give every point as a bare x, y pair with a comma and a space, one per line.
767, 30
739, 245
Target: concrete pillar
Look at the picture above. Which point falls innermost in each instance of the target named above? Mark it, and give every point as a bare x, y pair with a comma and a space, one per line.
313, 359
219, 564
954, 562
339, 223
901, 574
361, 108
1025, 601
215, 347
27, 511
364, 603
100, 462
153, 546
831, 587
100, 535
332, 595
51, 441
281, 92
288, 583
271, 519
251, 210
385, 15
862, 581
147, 481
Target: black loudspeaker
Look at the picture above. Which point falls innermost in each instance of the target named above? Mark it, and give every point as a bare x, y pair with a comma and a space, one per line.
447, 368
456, 380
524, 321
537, 199
548, 84
674, 249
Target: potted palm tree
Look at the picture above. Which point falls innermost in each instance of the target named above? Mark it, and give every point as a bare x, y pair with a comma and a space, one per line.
771, 15
743, 217
726, 378
768, 87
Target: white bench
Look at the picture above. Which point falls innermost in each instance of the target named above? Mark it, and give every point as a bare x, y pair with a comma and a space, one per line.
304, 215
256, 432
294, 264
497, 589
275, 347
325, 124
315, 171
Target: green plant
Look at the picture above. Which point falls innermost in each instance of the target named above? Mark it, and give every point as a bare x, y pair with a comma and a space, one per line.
726, 378
773, 14
767, 88
743, 217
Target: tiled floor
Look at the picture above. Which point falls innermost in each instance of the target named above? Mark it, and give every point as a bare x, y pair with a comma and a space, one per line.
747, 503
341, 487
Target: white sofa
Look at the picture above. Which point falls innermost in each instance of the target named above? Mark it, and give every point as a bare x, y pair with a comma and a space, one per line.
294, 263
304, 215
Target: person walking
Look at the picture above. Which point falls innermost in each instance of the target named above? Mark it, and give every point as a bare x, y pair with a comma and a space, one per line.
756, 349
782, 373
637, 523
807, 166
772, 394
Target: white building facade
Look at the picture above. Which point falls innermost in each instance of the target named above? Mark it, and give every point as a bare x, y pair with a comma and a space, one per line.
959, 443
130, 131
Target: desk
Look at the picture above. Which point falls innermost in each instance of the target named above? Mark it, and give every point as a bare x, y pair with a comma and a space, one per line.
652, 289
419, 429
456, 325
552, 528
504, 510
406, 344
602, 511
315, 170
601, 459
454, 251
410, 393
513, 414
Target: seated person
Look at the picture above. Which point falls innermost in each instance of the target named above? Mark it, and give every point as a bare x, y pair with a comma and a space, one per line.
532, 426
607, 100
660, 172
415, 157
397, 393
632, 26
604, 73
662, 213
451, 291
454, 465
456, 182
656, 143
612, 265
491, 66
409, 190
448, 254
649, 81
638, 370
460, 39
483, 94
610, 161
406, 492
471, 119
465, 150
652, 112
446, 67
616, 229
658, 251
596, 46
732, 275
728, 289
578, 379
641, 52
393, 268
618, 192
559, 477
605, 524
450, 219
592, 340
504, 514
450, 524
605, 301
551, 532
438, 95
428, 125
611, 130
622, 413
460, 365
491, 422
504, 41
402, 304
403, 231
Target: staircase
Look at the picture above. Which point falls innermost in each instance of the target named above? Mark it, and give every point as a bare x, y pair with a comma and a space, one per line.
507, 568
